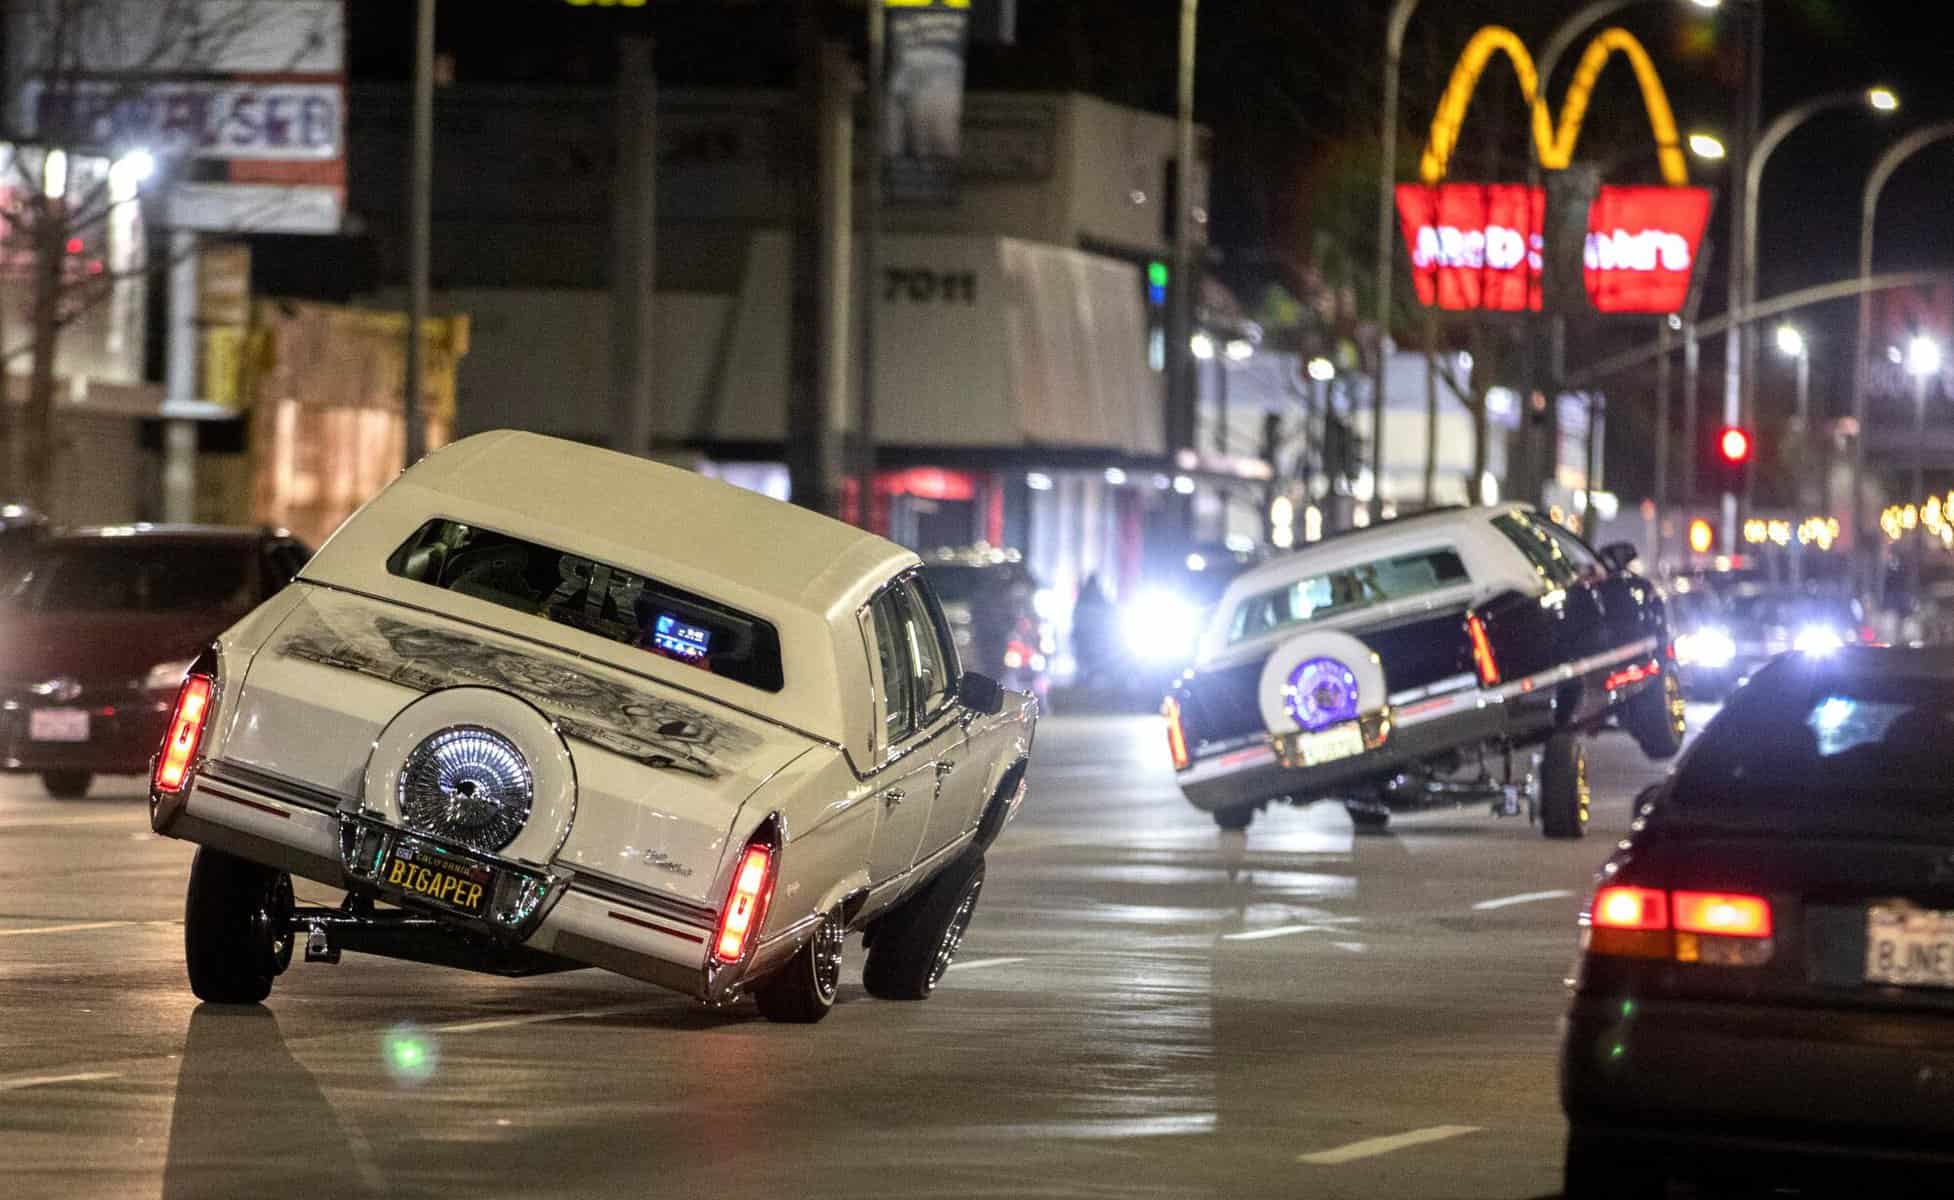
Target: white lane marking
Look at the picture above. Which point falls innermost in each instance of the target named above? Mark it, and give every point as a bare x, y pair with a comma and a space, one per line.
1353, 947
75, 928
1372, 1147
1522, 898
975, 963
581, 1014
1256, 935
15, 1085
122, 818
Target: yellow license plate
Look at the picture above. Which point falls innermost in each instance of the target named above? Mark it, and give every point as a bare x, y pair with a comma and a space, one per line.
431, 873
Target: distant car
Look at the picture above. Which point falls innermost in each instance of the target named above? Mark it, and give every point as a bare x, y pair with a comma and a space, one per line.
1705, 650
98, 627
539, 706
993, 604
1375, 666
1766, 982
1766, 622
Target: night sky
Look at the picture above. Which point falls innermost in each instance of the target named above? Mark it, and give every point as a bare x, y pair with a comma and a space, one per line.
1291, 89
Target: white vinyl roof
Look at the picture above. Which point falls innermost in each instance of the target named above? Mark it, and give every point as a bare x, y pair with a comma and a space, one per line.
805, 573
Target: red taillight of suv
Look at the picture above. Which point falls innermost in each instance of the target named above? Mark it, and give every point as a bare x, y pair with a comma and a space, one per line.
746, 904
186, 733
1717, 928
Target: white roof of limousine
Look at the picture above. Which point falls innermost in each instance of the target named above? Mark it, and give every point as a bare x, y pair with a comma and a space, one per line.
806, 573
1490, 560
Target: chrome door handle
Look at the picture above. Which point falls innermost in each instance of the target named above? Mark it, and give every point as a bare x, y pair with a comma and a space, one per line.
894, 796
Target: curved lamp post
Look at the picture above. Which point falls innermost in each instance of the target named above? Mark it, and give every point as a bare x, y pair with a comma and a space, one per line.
1387, 173
1883, 170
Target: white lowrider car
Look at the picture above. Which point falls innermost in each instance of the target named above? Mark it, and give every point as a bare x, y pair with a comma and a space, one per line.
539, 706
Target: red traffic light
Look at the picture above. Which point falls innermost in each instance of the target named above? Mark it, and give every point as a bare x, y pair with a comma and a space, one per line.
1734, 445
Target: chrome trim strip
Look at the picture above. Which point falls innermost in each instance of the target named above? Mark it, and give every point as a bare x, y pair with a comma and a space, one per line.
274, 786
628, 919
1443, 687
1581, 666
612, 890
224, 794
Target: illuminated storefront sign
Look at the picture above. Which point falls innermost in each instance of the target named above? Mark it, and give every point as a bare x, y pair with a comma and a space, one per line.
1480, 246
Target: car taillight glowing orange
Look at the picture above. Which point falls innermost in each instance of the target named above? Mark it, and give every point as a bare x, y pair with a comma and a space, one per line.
1729, 929
186, 733
1176, 736
746, 905
1482, 651
1721, 914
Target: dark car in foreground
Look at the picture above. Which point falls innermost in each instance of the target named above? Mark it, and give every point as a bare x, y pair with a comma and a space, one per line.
97, 628
1765, 993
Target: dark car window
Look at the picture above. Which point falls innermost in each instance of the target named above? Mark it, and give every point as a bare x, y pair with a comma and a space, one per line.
1539, 546
1808, 746
1573, 549
570, 589
120, 575
887, 615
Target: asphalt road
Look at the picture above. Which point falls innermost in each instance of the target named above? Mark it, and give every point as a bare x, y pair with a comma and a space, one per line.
1145, 1007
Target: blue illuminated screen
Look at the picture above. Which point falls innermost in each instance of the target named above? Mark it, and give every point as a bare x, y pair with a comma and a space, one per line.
679, 639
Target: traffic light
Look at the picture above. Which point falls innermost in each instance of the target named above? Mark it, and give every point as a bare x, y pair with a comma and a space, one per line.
1734, 446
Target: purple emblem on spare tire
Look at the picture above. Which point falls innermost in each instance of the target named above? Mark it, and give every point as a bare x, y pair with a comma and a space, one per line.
1321, 692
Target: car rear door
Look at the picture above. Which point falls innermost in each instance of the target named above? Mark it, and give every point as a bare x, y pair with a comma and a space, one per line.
907, 751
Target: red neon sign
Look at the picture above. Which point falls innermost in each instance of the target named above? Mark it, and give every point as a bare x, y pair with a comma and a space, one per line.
1478, 247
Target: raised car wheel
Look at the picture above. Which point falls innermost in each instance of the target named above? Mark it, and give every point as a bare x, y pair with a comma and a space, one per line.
67, 785
1655, 718
915, 943
1234, 820
803, 991
1564, 787
1595, 1172
237, 928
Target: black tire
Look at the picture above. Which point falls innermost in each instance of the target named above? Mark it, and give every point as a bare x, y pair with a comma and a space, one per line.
1369, 818
1655, 718
803, 991
1564, 787
915, 943
1598, 1172
237, 928
1234, 820
67, 785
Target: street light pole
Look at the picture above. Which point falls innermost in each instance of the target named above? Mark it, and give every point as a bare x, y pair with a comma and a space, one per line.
419, 217
1183, 396
1882, 171
1387, 174
1923, 360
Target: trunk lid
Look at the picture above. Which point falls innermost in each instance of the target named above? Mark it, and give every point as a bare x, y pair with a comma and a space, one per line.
661, 773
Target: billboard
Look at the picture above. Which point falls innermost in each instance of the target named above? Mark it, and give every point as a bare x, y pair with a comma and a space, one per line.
1477, 247
922, 124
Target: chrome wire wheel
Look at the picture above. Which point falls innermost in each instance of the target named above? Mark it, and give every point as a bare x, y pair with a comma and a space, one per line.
952, 941
468, 785
826, 956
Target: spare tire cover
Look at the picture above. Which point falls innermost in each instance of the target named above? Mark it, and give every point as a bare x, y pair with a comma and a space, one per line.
1349, 680
552, 776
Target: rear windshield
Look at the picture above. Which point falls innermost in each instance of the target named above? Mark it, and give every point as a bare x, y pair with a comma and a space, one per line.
1806, 746
570, 589
1346, 589
117, 575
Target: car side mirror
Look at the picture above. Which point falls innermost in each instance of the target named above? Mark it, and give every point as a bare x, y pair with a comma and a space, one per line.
980, 694
1617, 556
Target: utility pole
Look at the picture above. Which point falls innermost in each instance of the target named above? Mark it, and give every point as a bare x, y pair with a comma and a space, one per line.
864, 464
1661, 433
634, 257
817, 351
419, 216
1749, 111
1181, 391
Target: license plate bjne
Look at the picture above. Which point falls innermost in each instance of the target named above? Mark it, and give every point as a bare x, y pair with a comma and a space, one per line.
57, 725
1345, 741
1910, 947
430, 873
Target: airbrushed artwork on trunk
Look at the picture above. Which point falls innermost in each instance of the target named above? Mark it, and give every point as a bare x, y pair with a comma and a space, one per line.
652, 729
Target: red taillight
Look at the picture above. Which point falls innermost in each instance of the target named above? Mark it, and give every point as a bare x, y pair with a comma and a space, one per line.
1632, 673
186, 733
1721, 914
1641, 909
1176, 736
746, 905
1482, 651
